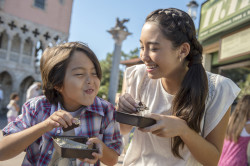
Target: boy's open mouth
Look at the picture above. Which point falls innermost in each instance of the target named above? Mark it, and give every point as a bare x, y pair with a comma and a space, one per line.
89, 91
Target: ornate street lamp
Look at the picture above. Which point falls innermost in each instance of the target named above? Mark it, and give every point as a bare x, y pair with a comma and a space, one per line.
192, 9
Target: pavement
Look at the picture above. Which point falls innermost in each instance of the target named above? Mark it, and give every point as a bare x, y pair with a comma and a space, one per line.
17, 161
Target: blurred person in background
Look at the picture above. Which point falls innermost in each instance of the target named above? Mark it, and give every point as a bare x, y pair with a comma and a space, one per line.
238, 135
34, 90
1, 96
13, 107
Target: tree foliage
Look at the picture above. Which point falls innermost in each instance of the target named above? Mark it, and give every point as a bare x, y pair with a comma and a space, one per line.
245, 87
241, 76
106, 71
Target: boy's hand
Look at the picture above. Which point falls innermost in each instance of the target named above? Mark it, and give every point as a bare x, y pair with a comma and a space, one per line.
59, 118
96, 155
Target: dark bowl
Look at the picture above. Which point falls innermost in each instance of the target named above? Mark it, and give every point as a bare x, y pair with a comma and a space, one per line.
72, 152
134, 120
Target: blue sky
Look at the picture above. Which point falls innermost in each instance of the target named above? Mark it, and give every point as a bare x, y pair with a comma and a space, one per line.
91, 19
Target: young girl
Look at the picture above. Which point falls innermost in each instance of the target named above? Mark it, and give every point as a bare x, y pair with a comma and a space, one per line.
191, 107
71, 77
238, 135
13, 107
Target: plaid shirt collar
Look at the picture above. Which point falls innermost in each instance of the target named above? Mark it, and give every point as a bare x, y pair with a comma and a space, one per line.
96, 107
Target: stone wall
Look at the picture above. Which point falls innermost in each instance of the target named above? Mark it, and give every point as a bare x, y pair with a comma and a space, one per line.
21, 45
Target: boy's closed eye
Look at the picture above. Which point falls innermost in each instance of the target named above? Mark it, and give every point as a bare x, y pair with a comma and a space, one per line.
78, 74
94, 74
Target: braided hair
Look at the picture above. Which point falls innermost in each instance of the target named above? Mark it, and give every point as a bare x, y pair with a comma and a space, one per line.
189, 102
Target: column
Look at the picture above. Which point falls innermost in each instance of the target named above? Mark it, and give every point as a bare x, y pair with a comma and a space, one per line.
33, 53
33, 56
119, 36
21, 50
9, 46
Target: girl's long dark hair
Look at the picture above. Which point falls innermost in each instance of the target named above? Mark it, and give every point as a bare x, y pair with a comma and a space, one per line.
189, 102
238, 118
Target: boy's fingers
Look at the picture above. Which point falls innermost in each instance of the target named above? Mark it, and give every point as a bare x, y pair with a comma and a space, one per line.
93, 161
67, 117
59, 120
98, 144
53, 123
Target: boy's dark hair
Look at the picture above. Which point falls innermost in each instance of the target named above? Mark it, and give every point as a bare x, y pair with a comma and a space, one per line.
13, 96
189, 102
53, 65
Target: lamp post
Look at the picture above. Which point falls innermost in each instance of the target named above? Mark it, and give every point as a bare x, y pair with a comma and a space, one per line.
192, 9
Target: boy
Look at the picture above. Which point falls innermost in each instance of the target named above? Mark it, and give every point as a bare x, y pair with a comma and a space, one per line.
71, 77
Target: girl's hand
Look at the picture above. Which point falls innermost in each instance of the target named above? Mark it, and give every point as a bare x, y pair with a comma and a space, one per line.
59, 118
96, 155
166, 126
127, 104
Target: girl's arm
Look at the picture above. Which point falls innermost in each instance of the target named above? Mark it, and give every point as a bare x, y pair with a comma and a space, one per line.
207, 151
18, 142
126, 104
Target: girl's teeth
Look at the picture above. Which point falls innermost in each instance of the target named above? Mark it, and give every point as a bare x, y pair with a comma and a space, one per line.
151, 67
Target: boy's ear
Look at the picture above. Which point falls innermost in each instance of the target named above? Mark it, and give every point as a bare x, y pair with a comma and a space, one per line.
58, 88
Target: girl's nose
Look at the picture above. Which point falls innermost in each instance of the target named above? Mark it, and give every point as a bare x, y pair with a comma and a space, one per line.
144, 56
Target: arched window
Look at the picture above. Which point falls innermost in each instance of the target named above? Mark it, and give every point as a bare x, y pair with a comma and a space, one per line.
16, 43
6, 85
40, 4
3, 40
27, 49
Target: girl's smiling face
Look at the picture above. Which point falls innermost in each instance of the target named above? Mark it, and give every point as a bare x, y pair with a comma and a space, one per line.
81, 83
157, 53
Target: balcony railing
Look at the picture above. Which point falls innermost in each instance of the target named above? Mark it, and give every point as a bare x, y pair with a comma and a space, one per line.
26, 59
14, 57
3, 54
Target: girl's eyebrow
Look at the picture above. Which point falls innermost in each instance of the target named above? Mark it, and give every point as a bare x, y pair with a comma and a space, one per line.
151, 42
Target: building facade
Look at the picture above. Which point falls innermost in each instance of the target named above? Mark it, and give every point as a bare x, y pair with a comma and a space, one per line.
26, 29
224, 32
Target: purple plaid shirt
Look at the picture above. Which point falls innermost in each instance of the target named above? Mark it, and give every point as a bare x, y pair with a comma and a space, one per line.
97, 120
